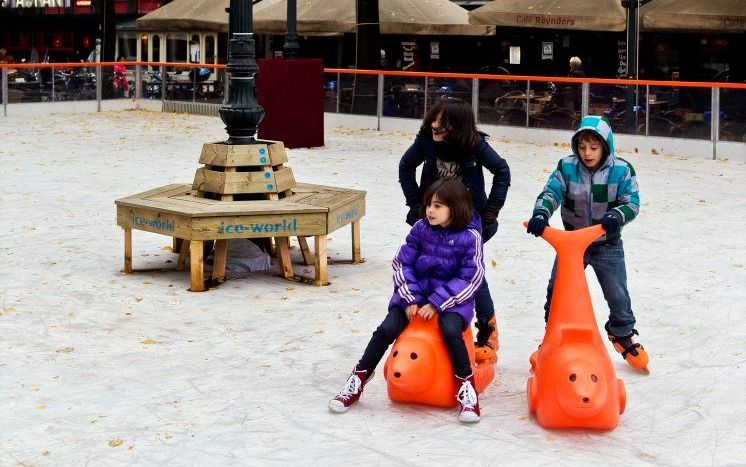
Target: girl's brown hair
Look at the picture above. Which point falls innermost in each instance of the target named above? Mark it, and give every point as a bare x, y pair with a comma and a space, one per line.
456, 196
457, 117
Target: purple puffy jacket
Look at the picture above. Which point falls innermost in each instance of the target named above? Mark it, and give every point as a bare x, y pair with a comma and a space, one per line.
440, 266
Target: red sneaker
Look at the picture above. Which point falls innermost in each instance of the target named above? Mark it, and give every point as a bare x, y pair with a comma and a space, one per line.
467, 398
351, 391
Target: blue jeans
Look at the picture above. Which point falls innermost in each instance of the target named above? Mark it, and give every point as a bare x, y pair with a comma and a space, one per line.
607, 261
484, 307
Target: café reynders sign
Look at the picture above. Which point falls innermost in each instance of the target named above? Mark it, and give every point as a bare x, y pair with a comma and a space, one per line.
34, 3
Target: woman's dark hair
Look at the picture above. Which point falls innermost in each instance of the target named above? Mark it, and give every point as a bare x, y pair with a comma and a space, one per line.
457, 117
455, 195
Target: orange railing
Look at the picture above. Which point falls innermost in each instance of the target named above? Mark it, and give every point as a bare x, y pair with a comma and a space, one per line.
705, 110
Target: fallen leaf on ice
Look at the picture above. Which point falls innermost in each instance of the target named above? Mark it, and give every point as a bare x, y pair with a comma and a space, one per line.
115, 442
65, 350
149, 342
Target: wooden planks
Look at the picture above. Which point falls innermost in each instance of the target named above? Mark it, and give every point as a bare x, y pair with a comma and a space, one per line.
243, 182
225, 155
308, 211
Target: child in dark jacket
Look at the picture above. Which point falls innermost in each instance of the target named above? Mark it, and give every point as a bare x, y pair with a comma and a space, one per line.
594, 186
449, 146
436, 273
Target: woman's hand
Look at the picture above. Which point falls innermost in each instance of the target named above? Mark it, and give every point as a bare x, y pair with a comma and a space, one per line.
411, 311
427, 311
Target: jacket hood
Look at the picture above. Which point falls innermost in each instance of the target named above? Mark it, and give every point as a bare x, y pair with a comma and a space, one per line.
600, 126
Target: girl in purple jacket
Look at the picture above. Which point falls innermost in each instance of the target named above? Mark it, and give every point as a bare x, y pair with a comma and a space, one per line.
436, 273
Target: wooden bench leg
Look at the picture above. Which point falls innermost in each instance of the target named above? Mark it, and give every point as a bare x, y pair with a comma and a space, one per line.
183, 253
307, 256
177, 243
127, 250
269, 247
322, 276
356, 254
283, 256
219, 260
197, 266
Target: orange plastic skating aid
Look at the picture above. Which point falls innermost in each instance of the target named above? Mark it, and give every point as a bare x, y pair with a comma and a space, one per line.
575, 385
419, 369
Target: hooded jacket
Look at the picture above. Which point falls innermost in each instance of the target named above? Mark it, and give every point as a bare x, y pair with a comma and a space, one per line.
586, 196
440, 266
482, 155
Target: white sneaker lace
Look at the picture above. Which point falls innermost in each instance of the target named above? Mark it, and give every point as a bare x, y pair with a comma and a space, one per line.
351, 387
467, 396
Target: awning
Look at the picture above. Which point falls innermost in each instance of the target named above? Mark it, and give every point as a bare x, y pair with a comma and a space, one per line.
323, 17
187, 15
318, 17
711, 16
582, 15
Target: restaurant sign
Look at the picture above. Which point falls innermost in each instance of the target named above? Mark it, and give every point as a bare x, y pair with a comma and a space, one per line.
34, 3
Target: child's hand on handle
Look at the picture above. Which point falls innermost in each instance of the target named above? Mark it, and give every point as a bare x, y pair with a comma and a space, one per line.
411, 311
610, 223
537, 224
427, 311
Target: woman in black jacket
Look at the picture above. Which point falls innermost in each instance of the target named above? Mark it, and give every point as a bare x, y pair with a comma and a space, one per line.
450, 146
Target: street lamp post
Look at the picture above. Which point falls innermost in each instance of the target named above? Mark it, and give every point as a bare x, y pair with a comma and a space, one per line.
291, 48
633, 38
241, 113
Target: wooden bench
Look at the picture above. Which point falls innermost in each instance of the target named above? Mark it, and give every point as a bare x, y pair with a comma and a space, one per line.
215, 208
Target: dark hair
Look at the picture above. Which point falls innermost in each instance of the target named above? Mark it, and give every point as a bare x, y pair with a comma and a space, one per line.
458, 117
590, 135
454, 194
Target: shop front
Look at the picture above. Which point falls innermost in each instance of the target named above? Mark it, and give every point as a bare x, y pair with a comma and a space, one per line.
58, 30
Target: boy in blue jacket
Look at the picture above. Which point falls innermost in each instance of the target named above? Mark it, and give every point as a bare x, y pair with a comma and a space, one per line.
594, 186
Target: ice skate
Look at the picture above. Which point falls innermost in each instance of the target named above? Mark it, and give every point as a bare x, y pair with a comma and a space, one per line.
487, 344
351, 391
633, 353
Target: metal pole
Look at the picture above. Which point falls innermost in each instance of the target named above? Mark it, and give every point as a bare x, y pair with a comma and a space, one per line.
379, 104
715, 121
475, 98
53, 97
194, 84
5, 91
528, 99
647, 109
241, 113
138, 82
99, 85
585, 92
426, 95
163, 84
338, 91
227, 89
291, 48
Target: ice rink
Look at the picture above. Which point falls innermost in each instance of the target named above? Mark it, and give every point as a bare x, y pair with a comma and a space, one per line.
104, 369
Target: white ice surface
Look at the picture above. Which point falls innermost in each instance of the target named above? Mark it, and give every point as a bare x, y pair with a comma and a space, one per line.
100, 368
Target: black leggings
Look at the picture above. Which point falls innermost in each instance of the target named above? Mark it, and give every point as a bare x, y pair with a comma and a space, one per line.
451, 328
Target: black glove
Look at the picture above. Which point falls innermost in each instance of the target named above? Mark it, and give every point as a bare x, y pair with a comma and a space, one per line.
414, 214
610, 223
490, 212
537, 224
